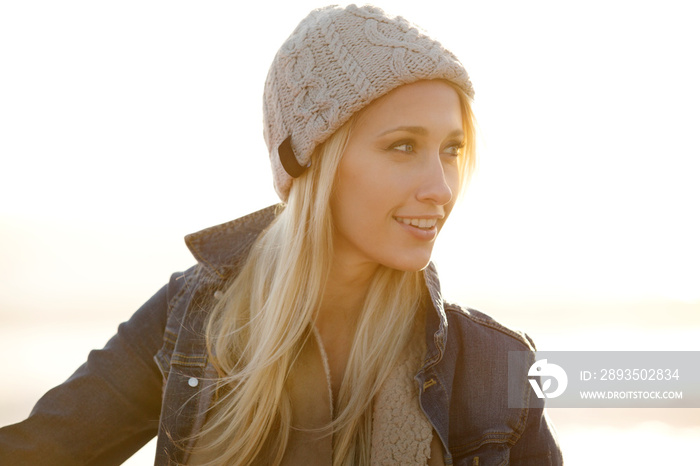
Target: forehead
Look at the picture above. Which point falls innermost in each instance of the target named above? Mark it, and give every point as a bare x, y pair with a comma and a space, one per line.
422, 102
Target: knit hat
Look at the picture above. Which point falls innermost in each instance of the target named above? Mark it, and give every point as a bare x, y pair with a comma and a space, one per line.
336, 62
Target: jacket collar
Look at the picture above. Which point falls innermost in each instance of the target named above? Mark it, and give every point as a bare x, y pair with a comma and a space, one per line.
435, 322
222, 249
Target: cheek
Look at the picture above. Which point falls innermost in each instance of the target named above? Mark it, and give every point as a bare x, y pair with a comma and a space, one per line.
364, 180
363, 199
452, 180
454, 184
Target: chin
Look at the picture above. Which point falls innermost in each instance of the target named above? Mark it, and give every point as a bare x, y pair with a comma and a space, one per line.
410, 264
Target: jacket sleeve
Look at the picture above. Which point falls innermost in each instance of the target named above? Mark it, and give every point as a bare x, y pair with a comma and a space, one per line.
483, 428
538, 445
106, 410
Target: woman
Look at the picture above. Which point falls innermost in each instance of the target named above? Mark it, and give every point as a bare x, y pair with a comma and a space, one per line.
314, 332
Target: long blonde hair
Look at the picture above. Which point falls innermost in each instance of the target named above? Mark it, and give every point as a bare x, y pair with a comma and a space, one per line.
260, 324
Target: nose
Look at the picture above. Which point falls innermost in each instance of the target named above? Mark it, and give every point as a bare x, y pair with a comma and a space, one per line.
434, 187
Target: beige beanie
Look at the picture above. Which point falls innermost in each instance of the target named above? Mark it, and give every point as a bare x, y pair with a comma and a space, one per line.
336, 62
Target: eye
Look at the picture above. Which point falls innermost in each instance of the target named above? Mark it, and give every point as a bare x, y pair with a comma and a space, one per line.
403, 147
454, 149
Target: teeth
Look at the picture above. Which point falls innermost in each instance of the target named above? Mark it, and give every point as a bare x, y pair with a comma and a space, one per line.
424, 223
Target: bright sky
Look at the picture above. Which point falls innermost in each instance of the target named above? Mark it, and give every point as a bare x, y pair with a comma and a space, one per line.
125, 125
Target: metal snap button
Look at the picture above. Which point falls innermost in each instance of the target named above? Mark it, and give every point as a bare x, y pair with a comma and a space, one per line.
193, 382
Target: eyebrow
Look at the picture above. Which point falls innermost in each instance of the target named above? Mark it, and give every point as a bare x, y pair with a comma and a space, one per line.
420, 131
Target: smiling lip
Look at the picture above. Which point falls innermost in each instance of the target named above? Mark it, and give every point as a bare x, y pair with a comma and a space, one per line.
422, 227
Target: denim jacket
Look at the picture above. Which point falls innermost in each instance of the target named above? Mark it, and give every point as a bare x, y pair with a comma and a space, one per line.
153, 377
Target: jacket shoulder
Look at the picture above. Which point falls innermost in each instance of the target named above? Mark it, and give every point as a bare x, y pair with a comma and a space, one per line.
484, 380
478, 324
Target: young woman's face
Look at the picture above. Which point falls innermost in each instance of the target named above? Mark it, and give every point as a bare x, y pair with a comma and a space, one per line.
398, 178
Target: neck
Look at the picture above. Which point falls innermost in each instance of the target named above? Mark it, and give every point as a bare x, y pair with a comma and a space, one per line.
344, 295
338, 315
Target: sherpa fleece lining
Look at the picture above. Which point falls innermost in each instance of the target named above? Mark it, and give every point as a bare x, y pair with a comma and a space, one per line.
401, 434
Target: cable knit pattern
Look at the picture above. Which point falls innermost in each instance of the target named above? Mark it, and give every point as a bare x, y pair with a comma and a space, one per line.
336, 62
401, 434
